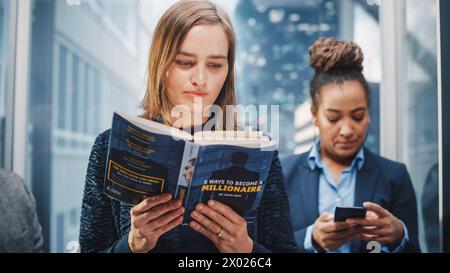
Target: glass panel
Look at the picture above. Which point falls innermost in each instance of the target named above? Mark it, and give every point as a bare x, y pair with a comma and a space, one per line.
420, 126
88, 58
83, 67
366, 20
273, 59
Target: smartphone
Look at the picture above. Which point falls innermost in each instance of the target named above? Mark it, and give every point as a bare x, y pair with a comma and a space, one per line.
343, 213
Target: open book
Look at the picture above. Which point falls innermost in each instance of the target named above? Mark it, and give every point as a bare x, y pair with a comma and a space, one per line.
146, 158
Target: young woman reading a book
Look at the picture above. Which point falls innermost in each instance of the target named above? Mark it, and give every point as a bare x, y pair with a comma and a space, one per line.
192, 56
339, 172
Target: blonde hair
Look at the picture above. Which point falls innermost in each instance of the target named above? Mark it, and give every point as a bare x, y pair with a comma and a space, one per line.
170, 31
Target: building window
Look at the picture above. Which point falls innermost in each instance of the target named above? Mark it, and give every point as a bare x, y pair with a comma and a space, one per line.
78, 90
62, 88
273, 60
74, 90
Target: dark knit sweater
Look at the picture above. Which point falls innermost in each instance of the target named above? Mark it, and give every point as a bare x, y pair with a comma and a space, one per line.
105, 223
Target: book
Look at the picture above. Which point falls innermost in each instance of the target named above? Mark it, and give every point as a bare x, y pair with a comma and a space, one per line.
146, 158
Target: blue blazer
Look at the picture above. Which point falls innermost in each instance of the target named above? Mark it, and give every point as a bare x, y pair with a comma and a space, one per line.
381, 181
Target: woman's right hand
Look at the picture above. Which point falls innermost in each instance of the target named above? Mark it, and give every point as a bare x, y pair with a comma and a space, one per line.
329, 235
151, 218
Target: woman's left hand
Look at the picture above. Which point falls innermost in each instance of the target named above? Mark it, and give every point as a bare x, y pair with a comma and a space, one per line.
223, 226
380, 225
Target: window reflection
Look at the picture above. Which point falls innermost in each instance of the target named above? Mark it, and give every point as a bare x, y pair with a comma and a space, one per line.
273, 61
273, 57
273, 69
421, 117
89, 59
85, 64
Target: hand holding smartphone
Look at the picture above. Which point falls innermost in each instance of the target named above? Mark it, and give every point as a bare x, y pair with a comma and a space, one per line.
343, 213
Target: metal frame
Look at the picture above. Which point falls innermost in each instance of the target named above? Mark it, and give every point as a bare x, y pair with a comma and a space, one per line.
439, 75
21, 87
10, 94
392, 22
17, 86
443, 42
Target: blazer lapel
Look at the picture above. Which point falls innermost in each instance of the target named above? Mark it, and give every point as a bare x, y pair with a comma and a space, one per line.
366, 180
309, 183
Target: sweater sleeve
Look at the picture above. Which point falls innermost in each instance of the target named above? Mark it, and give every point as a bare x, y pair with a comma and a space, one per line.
274, 228
98, 232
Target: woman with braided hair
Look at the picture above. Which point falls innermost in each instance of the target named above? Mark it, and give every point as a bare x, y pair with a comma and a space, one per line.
339, 171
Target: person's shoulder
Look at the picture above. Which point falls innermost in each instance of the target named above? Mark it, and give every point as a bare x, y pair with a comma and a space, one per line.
384, 164
102, 140
295, 157
100, 147
103, 137
290, 162
291, 165
10, 182
12, 186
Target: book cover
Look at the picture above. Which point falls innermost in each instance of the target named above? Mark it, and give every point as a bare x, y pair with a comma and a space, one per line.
140, 163
145, 159
232, 175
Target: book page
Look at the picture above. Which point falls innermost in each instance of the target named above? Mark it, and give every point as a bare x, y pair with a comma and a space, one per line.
249, 139
156, 127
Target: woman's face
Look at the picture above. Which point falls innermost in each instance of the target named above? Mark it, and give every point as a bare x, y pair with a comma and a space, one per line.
342, 117
200, 67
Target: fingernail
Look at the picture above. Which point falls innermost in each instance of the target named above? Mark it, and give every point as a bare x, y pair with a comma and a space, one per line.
199, 206
193, 224
194, 214
211, 203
